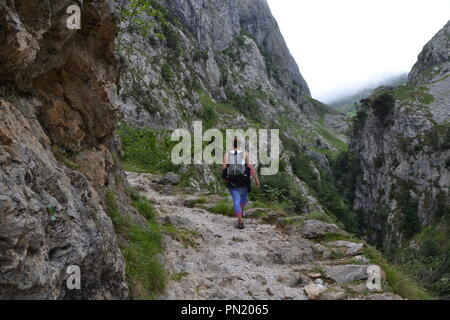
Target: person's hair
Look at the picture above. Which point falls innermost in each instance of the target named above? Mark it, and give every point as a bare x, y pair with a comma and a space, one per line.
235, 142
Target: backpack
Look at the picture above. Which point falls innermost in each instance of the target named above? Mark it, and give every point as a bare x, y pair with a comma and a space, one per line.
236, 171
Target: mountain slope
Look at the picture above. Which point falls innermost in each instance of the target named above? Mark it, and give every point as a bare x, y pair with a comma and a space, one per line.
225, 63
402, 140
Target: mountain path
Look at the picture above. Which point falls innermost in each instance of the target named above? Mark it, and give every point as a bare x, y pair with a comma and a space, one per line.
222, 262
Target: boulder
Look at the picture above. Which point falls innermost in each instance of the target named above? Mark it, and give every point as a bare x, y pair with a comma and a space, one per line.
170, 178
346, 273
384, 296
313, 228
333, 295
361, 259
352, 247
312, 291
297, 252
178, 221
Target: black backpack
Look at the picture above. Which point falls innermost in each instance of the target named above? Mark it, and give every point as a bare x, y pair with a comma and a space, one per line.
237, 172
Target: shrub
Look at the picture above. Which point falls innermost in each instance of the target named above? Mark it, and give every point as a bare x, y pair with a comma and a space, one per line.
359, 121
201, 55
145, 150
166, 72
245, 104
408, 207
429, 262
378, 162
382, 105
399, 281
323, 187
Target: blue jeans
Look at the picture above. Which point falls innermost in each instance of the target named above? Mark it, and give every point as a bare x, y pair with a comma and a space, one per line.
240, 199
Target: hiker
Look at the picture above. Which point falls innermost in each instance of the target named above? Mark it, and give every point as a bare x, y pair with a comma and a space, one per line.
237, 170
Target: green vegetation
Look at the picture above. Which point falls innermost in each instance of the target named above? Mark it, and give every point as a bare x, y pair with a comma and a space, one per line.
408, 93
331, 138
359, 120
201, 55
224, 208
383, 105
408, 209
441, 79
63, 157
322, 185
430, 260
245, 104
398, 281
280, 189
166, 72
140, 246
194, 202
131, 13
146, 150
212, 111
349, 110
52, 213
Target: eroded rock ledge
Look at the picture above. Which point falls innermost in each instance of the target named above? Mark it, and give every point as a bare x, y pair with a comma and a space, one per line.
57, 151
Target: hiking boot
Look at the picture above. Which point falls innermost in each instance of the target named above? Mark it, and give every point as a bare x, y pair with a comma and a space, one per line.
240, 226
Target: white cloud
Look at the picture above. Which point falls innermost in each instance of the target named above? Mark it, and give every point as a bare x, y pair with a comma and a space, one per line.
343, 45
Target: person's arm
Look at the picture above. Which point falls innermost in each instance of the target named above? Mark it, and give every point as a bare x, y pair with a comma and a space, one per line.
225, 161
252, 170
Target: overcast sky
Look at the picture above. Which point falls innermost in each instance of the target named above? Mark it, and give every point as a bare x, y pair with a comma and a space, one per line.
344, 45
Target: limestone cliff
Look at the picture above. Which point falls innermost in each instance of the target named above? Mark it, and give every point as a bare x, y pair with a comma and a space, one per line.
402, 138
58, 154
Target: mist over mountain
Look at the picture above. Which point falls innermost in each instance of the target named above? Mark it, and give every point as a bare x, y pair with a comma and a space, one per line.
358, 94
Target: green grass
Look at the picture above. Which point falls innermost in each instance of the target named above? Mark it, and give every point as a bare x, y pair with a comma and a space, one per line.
218, 107
146, 150
332, 139
224, 207
182, 235
428, 260
146, 276
404, 93
178, 276
399, 282
441, 79
194, 202
62, 157
142, 204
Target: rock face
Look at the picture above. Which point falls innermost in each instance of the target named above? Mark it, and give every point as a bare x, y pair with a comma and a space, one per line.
433, 61
433, 71
216, 24
402, 139
58, 112
212, 49
227, 64
346, 273
313, 229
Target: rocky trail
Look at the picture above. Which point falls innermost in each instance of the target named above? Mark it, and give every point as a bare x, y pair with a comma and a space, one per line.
262, 261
